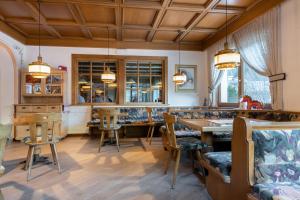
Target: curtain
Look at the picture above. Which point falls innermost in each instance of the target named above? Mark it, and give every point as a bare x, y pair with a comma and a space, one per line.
258, 43
215, 75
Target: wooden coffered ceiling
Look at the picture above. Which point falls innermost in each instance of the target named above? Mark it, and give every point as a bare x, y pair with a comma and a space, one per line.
149, 24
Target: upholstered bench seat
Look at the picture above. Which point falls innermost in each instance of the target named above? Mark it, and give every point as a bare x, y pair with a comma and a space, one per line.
277, 191
221, 161
190, 143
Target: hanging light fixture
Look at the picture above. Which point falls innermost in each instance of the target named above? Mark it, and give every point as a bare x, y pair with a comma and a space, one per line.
39, 69
227, 58
179, 77
108, 76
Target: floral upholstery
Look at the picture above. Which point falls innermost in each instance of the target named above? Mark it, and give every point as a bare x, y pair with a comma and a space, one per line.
277, 191
190, 143
183, 132
277, 163
221, 161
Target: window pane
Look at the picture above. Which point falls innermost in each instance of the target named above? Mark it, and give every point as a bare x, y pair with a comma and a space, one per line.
256, 86
144, 89
229, 86
131, 89
84, 83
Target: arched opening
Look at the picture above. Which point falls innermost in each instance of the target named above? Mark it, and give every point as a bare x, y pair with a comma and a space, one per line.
8, 84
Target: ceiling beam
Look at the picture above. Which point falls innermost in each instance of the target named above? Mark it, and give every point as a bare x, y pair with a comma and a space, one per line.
79, 18
255, 11
11, 31
119, 21
158, 18
209, 6
114, 44
35, 14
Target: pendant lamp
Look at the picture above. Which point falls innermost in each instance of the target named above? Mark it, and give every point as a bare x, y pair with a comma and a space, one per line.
39, 69
108, 76
227, 58
179, 77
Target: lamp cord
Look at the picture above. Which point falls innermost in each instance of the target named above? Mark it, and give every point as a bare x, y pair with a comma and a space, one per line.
226, 24
108, 44
39, 4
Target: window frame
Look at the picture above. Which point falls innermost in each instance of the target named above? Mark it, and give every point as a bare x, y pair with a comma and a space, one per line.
121, 77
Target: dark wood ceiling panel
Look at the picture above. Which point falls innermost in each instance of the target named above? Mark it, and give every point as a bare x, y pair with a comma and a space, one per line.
214, 20
137, 16
195, 37
98, 14
56, 11
13, 9
165, 36
102, 33
177, 18
32, 30
69, 31
131, 34
201, 2
238, 3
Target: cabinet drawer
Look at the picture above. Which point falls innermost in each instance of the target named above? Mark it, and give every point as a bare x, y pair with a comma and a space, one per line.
54, 108
39, 108
24, 109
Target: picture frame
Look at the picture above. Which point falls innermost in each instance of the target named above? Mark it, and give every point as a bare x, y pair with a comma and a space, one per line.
191, 84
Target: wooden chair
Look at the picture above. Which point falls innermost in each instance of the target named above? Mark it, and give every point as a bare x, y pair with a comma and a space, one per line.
176, 145
151, 124
5, 131
41, 128
108, 123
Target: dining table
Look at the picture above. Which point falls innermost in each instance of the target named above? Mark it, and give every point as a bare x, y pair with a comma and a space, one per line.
210, 129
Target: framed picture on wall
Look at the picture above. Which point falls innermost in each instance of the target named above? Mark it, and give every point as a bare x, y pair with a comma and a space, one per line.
191, 78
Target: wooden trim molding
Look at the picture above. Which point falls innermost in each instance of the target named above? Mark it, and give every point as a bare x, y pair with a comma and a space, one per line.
121, 79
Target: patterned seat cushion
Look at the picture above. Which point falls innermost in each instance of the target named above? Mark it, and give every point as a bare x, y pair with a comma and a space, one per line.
277, 191
183, 132
220, 160
190, 143
277, 155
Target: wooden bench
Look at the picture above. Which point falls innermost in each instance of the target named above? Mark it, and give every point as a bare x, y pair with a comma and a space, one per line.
241, 181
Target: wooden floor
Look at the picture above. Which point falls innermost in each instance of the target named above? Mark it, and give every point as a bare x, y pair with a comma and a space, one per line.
135, 173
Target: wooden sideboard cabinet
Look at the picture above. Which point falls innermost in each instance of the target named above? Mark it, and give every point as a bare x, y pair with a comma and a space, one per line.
25, 110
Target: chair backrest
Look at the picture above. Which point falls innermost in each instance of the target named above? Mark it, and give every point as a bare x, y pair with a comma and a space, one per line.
41, 126
170, 131
108, 117
5, 131
149, 112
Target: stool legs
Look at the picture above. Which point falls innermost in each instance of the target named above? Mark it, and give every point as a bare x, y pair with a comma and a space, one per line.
177, 160
117, 139
151, 135
55, 157
29, 161
101, 140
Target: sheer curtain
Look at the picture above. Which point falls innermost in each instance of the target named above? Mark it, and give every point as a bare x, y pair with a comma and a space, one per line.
258, 43
215, 75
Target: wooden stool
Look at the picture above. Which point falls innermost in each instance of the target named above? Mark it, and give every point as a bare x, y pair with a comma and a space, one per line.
41, 128
108, 123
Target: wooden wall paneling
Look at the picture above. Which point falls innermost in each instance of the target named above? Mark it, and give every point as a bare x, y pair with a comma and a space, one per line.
121, 81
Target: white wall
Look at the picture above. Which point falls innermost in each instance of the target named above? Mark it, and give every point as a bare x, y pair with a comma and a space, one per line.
11, 55
56, 56
290, 55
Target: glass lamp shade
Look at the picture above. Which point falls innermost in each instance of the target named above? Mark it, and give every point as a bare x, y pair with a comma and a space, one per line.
179, 78
39, 69
227, 58
108, 76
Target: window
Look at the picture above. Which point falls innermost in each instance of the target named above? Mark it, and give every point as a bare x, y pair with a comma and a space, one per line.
139, 79
256, 85
143, 81
252, 84
229, 87
90, 87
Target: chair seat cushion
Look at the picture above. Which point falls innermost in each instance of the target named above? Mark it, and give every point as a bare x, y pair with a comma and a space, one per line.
278, 191
190, 143
112, 127
220, 160
187, 133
